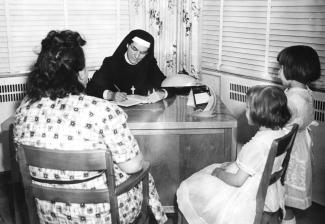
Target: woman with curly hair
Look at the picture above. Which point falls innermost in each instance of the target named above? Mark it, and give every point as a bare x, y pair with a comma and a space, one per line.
56, 114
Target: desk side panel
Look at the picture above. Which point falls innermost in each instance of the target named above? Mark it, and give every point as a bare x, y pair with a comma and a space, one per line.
175, 156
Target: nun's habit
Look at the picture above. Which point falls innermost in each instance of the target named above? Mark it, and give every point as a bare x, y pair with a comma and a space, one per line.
115, 72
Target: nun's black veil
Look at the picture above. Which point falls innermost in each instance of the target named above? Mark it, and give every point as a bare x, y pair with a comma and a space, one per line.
144, 76
121, 49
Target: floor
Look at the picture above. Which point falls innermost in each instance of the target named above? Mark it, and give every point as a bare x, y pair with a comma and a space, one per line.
313, 215
5, 215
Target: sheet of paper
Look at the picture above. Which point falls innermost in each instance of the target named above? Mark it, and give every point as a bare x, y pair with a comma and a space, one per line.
133, 100
201, 98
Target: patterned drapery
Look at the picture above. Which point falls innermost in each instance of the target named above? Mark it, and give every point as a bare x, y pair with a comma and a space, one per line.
174, 25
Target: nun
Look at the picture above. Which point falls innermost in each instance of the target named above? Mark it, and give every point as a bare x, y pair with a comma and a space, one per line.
132, 69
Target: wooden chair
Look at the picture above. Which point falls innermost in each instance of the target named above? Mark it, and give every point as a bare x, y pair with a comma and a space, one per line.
86, 160
279, 147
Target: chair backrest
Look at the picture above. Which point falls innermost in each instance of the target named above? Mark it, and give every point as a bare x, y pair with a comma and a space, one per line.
76, 160
279, 147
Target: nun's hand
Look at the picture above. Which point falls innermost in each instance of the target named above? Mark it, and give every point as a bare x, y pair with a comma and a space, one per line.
156, 96
119, 96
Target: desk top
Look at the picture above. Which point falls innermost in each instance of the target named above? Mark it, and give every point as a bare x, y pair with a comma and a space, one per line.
172, 113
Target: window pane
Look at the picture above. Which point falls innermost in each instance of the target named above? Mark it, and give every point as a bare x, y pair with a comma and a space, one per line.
210, 34
29, 22
4, 54
243, 37
297, 23
103, 23
23, 24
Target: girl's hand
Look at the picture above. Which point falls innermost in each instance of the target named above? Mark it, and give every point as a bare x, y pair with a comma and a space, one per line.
217, 171
225, 165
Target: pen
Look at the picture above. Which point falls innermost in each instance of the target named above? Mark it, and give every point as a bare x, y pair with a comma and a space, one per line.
118, 89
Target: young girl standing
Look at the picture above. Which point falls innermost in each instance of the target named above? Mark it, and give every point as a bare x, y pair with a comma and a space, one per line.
299, 66
226, 193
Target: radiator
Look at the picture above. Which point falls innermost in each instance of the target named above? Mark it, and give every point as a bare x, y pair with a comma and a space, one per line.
12, 91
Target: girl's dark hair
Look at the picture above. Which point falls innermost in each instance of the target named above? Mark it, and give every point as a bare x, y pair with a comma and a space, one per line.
55, 73
300, 63
268, 106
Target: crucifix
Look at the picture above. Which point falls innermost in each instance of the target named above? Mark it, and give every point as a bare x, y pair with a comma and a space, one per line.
133, 89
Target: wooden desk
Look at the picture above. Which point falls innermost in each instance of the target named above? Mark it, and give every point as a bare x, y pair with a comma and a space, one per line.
178, 144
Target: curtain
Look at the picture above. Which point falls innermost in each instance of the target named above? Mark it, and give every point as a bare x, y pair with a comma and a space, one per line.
174, 25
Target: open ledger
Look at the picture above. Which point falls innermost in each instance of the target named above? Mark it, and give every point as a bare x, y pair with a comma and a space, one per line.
132, 100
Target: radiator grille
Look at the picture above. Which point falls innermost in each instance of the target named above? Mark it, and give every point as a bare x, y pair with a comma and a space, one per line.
238, 92
319, 110
12, 92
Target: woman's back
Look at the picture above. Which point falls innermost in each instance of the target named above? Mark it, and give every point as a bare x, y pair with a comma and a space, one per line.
73, 122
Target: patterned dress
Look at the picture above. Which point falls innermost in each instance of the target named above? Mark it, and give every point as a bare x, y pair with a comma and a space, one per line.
83, 122
299, 174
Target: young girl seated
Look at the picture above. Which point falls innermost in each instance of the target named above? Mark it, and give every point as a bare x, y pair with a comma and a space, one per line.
226, 193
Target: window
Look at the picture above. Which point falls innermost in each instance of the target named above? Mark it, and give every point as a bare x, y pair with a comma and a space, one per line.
251, 33
243, 37
4, 62
23, 24
210, 34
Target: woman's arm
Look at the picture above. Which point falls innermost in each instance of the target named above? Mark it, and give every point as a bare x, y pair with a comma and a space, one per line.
119, 139
234, 179
132, 166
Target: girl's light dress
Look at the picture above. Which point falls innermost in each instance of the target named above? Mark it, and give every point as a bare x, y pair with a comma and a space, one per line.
205, 199
299, 174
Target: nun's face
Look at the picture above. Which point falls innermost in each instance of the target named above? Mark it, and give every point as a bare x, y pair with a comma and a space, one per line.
136, 52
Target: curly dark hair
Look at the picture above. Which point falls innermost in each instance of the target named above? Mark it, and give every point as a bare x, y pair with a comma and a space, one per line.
300, 63
268, 106
55, 73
